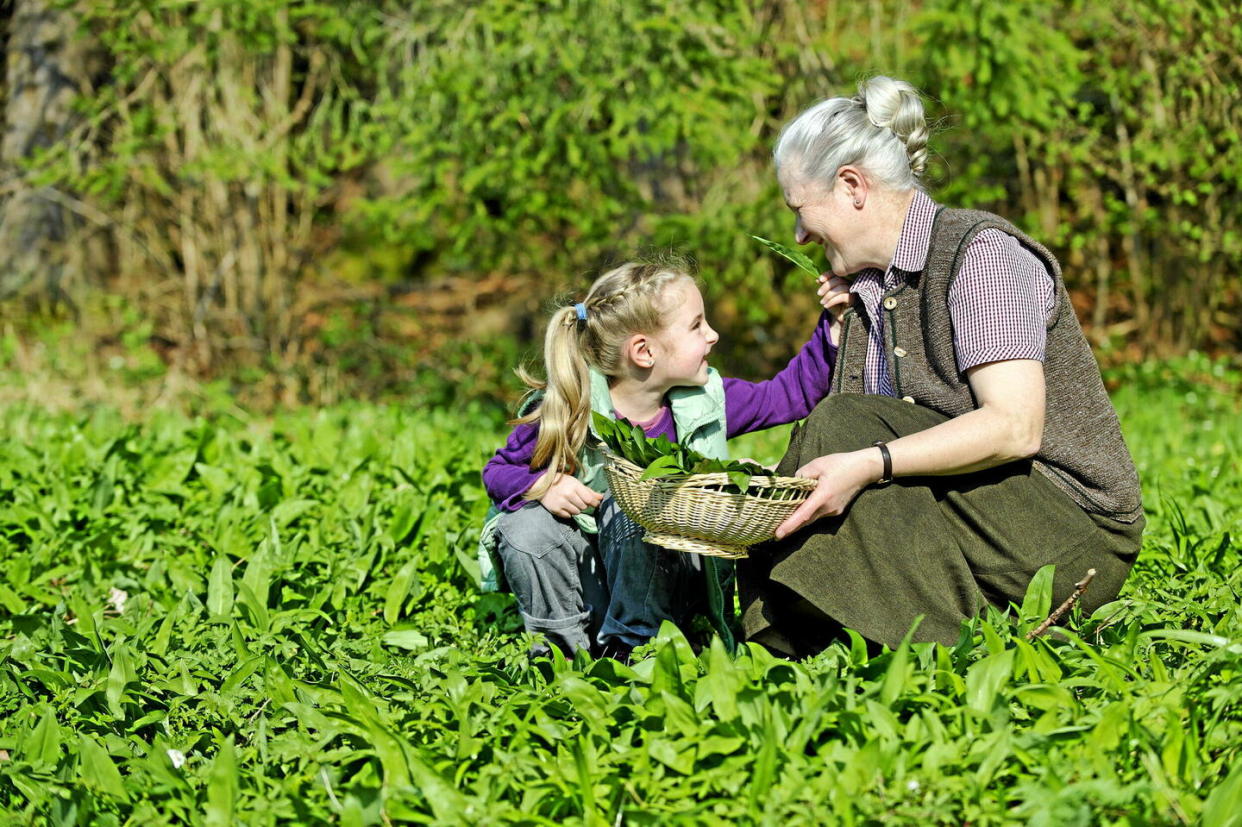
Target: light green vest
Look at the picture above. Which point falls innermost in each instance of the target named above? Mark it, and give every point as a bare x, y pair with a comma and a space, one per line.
699, 416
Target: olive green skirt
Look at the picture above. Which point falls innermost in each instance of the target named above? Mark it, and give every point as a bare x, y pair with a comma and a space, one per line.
940, 547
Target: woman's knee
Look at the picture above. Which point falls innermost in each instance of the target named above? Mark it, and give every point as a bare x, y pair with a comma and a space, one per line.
841, 422
850, 421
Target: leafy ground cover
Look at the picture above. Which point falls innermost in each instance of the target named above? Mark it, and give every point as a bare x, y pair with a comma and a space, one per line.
221, 620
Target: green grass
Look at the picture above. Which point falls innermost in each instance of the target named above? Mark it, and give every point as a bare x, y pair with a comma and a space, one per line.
300, 641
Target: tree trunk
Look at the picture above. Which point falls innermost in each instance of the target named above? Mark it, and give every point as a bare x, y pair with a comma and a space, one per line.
46, 66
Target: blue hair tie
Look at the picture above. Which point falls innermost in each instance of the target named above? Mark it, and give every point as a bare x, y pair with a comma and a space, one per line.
580, 309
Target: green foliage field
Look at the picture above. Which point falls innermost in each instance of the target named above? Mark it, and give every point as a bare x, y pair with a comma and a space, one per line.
230, 621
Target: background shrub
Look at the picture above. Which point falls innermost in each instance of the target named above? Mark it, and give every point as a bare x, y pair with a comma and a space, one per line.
283, 185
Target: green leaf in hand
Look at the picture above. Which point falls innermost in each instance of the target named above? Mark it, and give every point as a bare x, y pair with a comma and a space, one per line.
799, 258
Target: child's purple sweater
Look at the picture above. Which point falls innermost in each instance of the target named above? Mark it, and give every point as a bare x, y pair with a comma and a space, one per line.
749, 406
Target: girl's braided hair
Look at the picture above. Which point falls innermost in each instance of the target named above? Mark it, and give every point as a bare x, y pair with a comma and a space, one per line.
626, 300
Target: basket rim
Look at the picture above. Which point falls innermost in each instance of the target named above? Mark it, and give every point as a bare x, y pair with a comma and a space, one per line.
695, 480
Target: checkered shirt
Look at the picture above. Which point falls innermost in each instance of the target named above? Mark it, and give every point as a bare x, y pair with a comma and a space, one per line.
999, 303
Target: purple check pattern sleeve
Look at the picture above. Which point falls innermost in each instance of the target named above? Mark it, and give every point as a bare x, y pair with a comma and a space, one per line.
1000, 302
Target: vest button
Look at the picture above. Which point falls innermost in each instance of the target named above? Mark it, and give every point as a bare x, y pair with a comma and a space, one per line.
890, 303
909, 399
899, 351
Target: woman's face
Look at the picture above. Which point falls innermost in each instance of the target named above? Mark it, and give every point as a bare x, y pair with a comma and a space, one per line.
826, 217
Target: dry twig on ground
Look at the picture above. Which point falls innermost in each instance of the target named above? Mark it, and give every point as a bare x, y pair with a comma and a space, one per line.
1079, 588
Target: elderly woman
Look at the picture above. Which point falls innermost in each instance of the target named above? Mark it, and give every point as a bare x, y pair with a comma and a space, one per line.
968, 439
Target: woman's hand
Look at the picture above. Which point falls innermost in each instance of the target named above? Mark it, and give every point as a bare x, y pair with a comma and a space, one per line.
568, 496
841, 477
834, 294
1007, 425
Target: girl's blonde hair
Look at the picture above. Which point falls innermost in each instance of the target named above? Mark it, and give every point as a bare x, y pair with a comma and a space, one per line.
626, 300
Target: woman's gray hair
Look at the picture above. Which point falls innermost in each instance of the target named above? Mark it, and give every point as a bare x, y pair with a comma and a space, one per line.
881, 130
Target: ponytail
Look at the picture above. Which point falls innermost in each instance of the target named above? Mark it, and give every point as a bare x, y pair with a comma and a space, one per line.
564, 413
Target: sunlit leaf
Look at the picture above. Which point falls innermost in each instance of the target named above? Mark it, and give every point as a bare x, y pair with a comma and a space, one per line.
802, 260
220, 589
222, 786
98, 769
1038, 600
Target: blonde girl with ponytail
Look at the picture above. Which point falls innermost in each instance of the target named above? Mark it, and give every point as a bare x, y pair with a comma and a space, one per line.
629, 301
635, 346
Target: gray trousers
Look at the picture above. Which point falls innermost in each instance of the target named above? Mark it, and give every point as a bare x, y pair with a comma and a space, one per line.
577, 589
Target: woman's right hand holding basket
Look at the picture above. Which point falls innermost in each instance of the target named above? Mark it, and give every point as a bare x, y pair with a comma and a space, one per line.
840, 478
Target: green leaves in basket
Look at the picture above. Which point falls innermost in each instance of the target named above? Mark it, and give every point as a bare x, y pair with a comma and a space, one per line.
660, 458
660, 466
797, 257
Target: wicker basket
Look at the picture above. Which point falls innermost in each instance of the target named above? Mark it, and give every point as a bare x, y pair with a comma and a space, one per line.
693, 513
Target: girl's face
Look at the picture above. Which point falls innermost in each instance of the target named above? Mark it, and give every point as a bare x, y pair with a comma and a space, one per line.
679, 351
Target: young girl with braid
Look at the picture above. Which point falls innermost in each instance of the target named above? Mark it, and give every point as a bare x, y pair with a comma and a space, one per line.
635, 347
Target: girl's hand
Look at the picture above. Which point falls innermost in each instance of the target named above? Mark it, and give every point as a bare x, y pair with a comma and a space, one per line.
568, 496
834, 293
835, 296
841, 477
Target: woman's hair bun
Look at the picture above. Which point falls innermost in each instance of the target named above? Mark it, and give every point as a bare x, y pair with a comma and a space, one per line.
895, 105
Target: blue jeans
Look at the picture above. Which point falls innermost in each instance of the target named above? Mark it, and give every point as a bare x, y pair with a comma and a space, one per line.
576, 589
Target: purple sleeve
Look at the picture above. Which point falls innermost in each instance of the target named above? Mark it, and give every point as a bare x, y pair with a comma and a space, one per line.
508, 475
999, 302
789, 395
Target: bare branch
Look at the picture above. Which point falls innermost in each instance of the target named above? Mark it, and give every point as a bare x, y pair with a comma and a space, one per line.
1079, 588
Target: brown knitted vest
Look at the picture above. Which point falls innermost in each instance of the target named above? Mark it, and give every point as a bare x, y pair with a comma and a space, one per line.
1082, 450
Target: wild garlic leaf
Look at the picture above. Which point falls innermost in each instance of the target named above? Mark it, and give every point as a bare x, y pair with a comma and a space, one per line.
661, 467
660, 457
306, 647
796, 256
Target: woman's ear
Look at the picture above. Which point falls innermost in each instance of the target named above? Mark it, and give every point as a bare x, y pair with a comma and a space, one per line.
854, 183
638, 351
